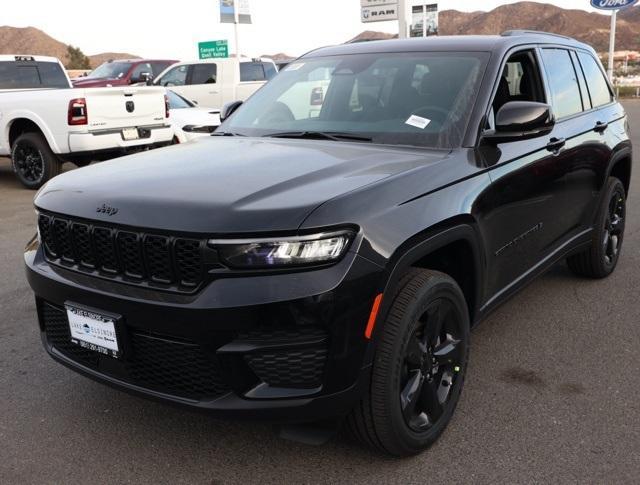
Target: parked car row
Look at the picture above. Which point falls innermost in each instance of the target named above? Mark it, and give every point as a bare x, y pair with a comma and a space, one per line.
148, 104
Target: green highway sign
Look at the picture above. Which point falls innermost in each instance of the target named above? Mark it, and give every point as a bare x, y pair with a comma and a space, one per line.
213, 49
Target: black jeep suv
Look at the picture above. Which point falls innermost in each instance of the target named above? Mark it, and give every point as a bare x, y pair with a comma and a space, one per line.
326, 253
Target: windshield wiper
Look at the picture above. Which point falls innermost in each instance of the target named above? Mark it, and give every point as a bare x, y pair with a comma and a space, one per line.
321, 135
226, 133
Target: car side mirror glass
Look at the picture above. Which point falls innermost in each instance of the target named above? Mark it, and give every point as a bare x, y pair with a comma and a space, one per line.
228, 109
521, 120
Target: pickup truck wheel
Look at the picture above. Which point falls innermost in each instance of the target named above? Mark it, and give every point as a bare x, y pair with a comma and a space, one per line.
33, 161
419, 367
601, 257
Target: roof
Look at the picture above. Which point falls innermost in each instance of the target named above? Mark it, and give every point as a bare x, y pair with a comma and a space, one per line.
453, 43
12, 58
219, 60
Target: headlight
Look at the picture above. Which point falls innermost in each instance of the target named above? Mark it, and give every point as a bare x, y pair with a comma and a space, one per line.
283, 252
199, 128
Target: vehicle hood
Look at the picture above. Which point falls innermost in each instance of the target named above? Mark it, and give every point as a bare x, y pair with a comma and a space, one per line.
194, 116
95, 82
226, 185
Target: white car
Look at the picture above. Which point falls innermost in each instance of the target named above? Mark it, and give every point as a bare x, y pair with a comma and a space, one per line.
44, 122
214, 82
190, 121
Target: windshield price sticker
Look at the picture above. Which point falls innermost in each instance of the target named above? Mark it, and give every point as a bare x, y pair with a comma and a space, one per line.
418, 121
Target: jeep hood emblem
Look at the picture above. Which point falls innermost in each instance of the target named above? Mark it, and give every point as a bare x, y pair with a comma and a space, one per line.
107, 209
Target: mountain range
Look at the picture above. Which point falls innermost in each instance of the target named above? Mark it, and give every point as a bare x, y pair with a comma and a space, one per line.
588, 27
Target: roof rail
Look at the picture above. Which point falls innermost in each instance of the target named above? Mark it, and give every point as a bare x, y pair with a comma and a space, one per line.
513, 33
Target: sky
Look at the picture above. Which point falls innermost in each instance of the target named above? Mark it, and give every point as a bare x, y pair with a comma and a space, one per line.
173, 29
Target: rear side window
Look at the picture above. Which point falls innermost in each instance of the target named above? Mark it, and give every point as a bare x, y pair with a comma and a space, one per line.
269, 70
563, 82
596, 82
252, 71
52, 75
17, 75
204, 74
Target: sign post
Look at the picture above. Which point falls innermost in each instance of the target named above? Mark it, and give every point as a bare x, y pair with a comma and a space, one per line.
235, 12
614, 6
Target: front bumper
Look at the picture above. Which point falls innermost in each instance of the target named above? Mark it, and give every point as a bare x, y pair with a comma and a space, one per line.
286, 347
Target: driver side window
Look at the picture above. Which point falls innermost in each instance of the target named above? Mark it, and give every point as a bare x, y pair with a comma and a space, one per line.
175, 77
520, 81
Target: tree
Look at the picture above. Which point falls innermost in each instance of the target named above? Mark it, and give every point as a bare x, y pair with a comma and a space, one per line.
77, 59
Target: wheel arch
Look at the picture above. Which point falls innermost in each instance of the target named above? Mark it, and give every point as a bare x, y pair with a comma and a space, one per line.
620, 168
449, 247
28, 124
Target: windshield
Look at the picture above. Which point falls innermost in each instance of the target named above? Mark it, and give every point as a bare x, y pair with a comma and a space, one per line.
110, 70
176, 101
421, 99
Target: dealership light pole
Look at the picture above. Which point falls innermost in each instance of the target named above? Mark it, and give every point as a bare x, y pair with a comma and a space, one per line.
403, 19
612, 44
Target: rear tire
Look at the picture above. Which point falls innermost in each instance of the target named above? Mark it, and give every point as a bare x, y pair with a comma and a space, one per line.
601, 257
419, 366
33, 161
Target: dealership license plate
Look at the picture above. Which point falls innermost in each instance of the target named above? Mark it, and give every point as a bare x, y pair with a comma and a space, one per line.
93, 331
130, 134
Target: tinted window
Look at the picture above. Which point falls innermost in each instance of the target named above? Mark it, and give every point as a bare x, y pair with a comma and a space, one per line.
52, 75
27, 76
563, 82
176, 101
586, 100
421, 99
158, 67
598, 87
204, 74
270, 69
175, 77
251, 71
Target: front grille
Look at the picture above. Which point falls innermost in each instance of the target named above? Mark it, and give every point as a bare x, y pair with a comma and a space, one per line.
301, 368
176, 263
158, 363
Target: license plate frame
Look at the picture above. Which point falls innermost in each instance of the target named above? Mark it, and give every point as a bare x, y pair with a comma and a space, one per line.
130, 134
95, 330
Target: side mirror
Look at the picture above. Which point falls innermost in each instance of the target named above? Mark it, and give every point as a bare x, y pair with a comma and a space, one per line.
228, 109
144, 77
521, 120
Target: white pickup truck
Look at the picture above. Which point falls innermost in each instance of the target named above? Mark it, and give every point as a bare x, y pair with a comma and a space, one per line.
45, 122
212, 83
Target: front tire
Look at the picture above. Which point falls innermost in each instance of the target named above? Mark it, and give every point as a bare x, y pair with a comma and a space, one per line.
419, 366
601, 257
33, 161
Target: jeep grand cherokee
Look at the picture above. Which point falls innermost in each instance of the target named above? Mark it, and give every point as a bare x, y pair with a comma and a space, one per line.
326, 253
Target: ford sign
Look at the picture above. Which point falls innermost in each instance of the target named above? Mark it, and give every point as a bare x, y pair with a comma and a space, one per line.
612, 4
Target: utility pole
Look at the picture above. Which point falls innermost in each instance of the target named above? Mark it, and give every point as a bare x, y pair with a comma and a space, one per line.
612, 42
403, 19
235, 31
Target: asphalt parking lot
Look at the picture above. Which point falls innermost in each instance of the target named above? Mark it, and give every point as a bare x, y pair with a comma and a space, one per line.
552, 395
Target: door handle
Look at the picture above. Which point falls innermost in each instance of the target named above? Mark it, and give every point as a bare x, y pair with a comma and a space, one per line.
601, 126
555, 144
213, 92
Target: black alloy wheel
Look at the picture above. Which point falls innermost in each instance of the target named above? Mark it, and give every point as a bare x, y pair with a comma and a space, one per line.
29, 163
420, 359
614, 227
433, 360
602, 255
33, 161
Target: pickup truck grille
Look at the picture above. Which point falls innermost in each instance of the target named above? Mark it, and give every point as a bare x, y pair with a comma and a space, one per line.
161, 261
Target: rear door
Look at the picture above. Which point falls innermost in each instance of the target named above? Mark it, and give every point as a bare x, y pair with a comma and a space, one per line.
203, 85
586, 153
116, 108
253, 76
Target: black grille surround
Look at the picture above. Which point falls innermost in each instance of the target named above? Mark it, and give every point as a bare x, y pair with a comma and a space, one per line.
160, 261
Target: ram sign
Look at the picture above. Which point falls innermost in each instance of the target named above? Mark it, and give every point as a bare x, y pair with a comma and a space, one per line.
612, 4
379, 10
